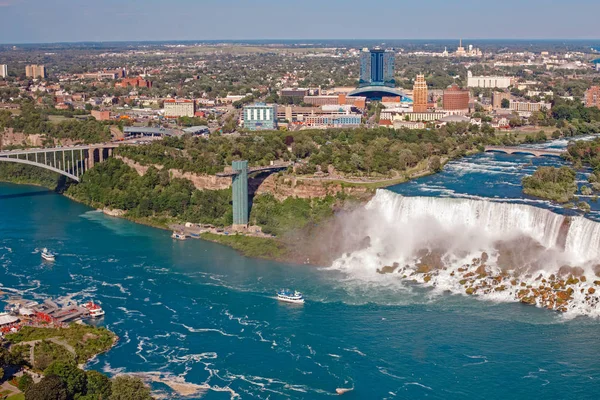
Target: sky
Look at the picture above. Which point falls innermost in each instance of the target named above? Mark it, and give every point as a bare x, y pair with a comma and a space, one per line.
46, 21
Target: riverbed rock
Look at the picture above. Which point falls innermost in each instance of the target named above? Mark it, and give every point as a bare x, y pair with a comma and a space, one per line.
388, 269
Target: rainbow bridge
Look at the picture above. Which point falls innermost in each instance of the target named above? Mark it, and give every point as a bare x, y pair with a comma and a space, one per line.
71, 161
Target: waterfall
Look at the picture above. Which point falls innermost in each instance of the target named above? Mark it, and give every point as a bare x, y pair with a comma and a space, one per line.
400, 227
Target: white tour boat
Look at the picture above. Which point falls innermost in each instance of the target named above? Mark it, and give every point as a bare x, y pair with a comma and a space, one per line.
48, 255
290, 297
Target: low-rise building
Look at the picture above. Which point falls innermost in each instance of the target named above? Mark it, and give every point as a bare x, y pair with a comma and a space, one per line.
592, 97
179, 108
529, 106
408, 125
135, 82
101, 115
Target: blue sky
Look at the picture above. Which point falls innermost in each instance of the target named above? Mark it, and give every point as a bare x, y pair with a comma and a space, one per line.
34, 21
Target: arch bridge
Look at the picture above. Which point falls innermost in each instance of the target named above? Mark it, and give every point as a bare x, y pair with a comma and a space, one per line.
70, 161
521, 150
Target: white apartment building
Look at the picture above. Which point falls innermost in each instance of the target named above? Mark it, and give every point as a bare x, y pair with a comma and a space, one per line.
3, 70
499, 82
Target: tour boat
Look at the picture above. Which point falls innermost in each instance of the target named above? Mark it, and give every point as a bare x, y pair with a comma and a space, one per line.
95, 310
290, 297
48, 255
178, 236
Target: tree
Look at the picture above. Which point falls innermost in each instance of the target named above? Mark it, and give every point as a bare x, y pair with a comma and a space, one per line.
49, 388
25, 382
435, 164
74, 378
98, 384
129, 388
505, 103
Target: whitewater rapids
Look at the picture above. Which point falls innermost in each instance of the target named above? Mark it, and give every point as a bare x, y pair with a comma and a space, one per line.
446, 243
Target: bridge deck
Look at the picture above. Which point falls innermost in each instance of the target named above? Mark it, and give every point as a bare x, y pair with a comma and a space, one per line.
253, 170
522, 150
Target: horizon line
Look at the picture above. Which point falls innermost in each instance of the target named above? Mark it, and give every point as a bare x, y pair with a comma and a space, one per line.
298, 40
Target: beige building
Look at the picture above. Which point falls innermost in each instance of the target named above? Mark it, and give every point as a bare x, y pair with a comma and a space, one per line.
35, 71
3, 70
497, 98
179, 108
529, 107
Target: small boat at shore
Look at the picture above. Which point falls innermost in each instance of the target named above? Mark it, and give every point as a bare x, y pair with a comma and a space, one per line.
48, 255
178, 236
288, 296
95, 310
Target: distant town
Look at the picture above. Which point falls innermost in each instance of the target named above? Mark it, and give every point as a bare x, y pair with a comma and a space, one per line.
226, 88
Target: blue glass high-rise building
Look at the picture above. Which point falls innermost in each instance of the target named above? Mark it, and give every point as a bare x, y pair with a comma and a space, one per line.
377, 68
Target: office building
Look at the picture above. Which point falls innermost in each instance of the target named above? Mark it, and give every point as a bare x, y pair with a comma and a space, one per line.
497, 98
420, 94
3, 70
456, 100
260, 116
179, 108
294, 92
35, 71
377, 68
592, 97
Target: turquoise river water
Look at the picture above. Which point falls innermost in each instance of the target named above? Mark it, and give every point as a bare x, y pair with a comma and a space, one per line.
199, 313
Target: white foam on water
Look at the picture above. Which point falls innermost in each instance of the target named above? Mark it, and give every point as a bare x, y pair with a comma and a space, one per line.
400, 227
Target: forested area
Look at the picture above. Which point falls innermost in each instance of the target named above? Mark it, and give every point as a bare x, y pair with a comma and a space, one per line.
113, 184
551, 183
361, 151
34, 120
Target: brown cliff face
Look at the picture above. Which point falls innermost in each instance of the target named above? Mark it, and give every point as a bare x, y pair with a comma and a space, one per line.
281, 187
11, 138
200, 182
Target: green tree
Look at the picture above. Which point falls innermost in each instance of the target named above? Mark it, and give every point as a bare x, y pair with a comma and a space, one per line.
74, 377
505, 103
435, 164
129, 388
25, 382
49, 388
98, 384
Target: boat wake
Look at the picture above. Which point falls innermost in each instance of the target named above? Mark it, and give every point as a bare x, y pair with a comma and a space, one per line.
496, 251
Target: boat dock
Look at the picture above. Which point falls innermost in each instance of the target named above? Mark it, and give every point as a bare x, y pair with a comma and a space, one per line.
49, 310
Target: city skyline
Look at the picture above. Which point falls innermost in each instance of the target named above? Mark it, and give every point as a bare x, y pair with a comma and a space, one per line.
35, 21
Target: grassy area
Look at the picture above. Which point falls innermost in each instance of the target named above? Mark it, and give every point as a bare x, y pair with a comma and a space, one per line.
18, 396
251, 246
86, 340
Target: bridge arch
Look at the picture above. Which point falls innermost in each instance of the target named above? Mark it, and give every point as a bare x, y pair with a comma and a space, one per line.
33, 163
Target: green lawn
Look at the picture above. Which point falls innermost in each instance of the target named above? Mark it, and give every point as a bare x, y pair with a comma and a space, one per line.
18, 396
